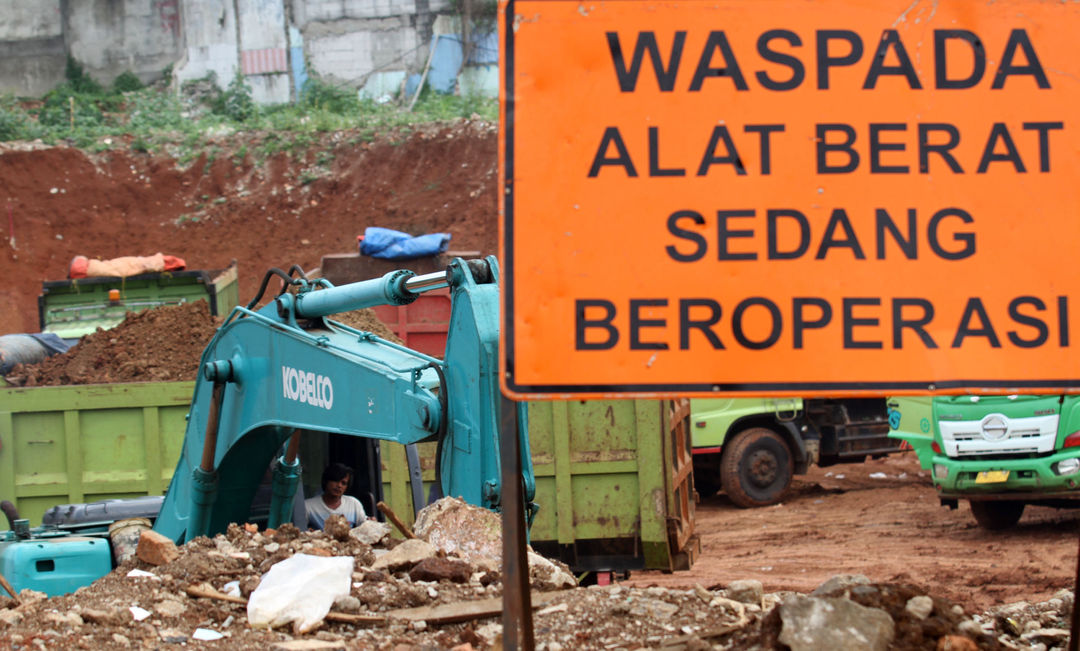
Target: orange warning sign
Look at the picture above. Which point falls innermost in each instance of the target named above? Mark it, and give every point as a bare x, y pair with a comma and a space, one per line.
789, 197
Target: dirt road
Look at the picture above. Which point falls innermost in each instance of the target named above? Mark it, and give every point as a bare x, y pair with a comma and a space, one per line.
842, 520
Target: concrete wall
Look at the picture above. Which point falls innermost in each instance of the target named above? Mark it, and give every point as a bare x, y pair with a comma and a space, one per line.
109, 37
375, 46
226, 37
210, 41
32, 51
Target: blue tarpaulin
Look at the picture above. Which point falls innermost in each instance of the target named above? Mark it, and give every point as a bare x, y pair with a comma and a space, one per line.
394, 245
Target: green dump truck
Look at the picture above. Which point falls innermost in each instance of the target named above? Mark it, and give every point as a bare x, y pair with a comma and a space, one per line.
614, 479
94, 442
1000, 453
751, 447
614, 483
73, 308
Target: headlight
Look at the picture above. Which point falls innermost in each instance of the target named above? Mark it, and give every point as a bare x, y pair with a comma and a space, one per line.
1068, 466
941, 471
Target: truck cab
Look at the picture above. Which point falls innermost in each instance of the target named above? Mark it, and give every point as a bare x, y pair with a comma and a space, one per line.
73, 308
1000, 453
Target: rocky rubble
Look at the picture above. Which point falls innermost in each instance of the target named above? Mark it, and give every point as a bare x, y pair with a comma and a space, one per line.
444, 592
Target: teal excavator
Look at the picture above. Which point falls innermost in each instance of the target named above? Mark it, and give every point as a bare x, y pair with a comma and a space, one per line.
274, 373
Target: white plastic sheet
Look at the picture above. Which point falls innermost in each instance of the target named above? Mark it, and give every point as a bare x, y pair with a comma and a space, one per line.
299, 590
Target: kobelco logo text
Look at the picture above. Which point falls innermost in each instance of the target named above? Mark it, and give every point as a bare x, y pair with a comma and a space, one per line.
303, 386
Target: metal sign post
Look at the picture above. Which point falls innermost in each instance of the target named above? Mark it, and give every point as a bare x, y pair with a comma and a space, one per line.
517, 601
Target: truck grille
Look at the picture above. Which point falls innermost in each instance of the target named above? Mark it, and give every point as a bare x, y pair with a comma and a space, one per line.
998, 434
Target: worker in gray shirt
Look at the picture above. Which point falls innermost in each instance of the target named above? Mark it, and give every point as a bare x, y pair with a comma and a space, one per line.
335, 481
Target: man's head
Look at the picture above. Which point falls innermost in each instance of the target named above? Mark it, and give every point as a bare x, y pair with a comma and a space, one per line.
336, 478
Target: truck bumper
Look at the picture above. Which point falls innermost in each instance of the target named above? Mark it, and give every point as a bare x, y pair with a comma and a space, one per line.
1028, 479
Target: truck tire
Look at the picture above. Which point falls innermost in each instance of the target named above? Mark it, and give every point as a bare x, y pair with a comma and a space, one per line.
756, 468
996, 515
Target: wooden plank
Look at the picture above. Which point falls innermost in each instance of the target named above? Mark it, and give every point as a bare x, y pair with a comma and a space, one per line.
207, 591
465, 610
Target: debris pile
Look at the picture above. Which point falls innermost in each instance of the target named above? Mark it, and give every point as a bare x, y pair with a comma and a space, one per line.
414, 593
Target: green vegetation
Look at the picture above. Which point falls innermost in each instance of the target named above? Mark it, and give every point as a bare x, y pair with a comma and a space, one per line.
85, 113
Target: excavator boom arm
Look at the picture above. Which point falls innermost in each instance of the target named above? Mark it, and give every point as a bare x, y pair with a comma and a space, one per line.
286, 368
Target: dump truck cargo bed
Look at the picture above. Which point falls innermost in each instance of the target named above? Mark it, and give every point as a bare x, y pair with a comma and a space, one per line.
75, 444
614, 483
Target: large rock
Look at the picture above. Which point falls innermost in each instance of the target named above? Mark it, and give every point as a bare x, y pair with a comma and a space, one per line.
475, 534
956, 643
371, 532
920, 606
457, 527
838, 583
548, 575
812, 623
1047, 636
337, 527
441, 569
10, 617
170, 608
748, 591
405, 556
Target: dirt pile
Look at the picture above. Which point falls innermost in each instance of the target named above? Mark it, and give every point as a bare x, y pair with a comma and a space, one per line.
162, 344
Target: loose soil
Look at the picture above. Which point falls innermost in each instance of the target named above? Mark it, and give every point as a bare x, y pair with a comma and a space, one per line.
289, 210
163, 344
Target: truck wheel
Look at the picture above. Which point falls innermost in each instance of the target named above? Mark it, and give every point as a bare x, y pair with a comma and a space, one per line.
756, 468
996, 515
